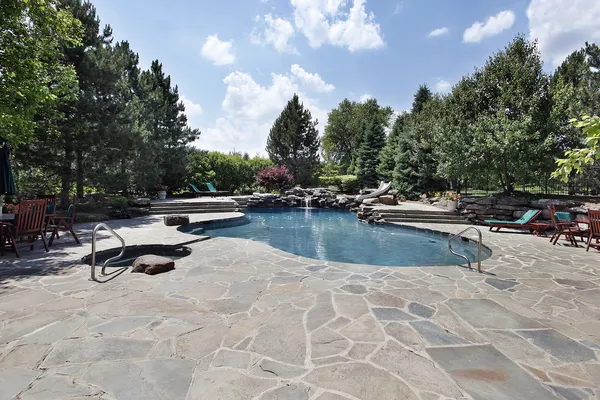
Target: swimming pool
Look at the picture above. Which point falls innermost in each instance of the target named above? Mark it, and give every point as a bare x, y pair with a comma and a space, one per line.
336, 235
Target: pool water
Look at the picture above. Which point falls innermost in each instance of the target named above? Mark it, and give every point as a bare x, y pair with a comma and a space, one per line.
133, 252
336, 235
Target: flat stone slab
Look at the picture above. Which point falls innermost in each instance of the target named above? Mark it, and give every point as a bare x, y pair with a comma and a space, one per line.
435, 334
360, 380
559, 345
421, 310
484, 313
391, 314
501, 284
486, 374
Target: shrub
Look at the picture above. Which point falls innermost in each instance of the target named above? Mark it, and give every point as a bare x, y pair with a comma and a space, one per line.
348, 183
119, 203
278, 178
330, 181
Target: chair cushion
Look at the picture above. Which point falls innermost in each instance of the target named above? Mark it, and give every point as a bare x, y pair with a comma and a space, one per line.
50, 209
563, 216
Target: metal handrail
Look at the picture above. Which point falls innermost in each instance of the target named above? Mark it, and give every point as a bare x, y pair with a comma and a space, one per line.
479, 245
115, 258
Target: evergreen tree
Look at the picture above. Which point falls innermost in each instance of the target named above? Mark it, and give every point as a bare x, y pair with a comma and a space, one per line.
294, 143
389, 152
368, 153
405, 176
422, 97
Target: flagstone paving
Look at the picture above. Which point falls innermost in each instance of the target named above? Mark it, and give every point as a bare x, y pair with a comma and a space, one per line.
241, 320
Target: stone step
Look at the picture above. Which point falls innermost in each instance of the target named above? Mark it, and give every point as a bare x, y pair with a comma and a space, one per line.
192, 204
413, 212
422, 216
429, 221
191, 210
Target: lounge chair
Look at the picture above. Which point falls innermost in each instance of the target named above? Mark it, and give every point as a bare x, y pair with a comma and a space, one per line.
211, 190
564, 225
522, 223
594, 233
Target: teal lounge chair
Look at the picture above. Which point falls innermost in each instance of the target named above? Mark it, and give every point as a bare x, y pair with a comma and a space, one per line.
211, 190
522, 223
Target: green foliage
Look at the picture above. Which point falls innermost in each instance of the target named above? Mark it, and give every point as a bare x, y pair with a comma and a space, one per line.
119, 203
348, 183
422, 97
388, 154
345, 130
368, 154
231, 172
34, 80
294, 143
577, 159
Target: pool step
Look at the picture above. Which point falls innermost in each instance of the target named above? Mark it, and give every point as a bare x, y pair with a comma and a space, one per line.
400, 215
193, 207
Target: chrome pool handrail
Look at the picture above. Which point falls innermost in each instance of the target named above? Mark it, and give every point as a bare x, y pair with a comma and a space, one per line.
115, 258
479, 245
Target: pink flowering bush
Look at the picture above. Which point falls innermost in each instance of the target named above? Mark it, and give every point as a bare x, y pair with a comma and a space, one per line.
277, 178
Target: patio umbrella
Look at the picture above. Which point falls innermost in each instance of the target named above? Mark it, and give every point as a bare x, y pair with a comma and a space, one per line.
7, 182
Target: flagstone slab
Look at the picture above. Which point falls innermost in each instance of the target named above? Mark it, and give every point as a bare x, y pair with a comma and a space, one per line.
365, 329
501, 284
15, 380
282, 337
86, 350
559, 345
231, 359
486, 374
435, 335
419, 371
228, 385
293, 391
201, 342
321, 313
60, 387
484, 313
391, 314
360, 380
156, 379
325, 342
350, 305
421, 310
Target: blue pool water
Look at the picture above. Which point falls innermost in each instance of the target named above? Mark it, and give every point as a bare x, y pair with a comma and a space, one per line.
336, 235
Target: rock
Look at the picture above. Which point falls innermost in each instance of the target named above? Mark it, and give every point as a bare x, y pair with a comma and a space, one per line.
513, 201
152, 264
140, 202
371, 201
176, 220
388, 200
137, 211
91, 217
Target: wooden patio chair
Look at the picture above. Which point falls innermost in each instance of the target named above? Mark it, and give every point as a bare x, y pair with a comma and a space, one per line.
594, 232
29, 224
565, 226
64, 222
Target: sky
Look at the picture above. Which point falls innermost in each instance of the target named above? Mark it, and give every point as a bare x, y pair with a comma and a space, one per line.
238, 62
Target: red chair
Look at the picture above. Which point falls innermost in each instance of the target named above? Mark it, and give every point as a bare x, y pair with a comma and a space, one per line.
29, 224
56, 222
564, 226
594, 233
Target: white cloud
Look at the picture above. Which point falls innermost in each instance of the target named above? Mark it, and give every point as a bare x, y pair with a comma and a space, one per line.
562, 27
438, 32
443, 86
313, 81
327, 22
398, 8
277, 32
492, 27
217, 51
365, 97
251, 109
191, 109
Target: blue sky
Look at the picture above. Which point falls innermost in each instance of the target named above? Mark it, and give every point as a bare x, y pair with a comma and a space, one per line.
237, 62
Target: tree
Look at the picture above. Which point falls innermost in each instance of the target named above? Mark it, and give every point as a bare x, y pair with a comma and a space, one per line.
345, 130
293, 142
275, 178
368, 154
577, 159
387, 157
34, 81
422, 97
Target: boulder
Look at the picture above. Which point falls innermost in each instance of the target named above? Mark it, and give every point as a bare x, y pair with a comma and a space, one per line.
140, 202
373, 200
151, 264
176, 220
138, 211
388, 200
513, 201
91, 217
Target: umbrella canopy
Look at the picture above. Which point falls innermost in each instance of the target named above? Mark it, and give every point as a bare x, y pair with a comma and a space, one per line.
7, 182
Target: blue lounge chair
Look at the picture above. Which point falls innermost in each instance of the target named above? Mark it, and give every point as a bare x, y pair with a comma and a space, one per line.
522, 223
211, 190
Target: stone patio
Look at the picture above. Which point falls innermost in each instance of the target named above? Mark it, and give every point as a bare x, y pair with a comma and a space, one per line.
241, 320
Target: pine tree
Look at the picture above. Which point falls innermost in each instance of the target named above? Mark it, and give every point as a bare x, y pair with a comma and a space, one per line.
422, 96
405, 176
389, 152
294, 143
368, 153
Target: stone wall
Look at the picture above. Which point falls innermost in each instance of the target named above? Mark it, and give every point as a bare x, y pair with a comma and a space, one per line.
298, 197
477, 209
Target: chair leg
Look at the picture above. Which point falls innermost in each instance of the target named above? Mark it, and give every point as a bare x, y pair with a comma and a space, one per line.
74, 234
589, 242
54, 234
13, 243
44, 240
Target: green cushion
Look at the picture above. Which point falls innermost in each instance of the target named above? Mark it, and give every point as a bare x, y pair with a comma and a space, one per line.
50, 209
211, 187
194, 187
563, 216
